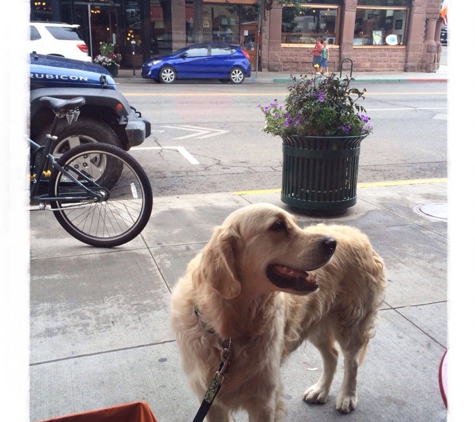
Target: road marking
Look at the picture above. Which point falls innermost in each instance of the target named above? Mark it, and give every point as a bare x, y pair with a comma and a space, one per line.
259, 94
181, 150
200, 132
407, 108
360, 185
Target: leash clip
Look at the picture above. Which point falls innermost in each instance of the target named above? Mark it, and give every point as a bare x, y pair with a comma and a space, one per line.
225, 361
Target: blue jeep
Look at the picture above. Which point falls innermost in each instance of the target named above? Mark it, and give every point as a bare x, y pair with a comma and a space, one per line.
106, 117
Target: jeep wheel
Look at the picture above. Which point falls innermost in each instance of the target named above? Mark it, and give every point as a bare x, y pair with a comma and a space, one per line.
82, 131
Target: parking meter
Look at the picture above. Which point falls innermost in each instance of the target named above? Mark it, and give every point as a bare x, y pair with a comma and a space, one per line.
133, 43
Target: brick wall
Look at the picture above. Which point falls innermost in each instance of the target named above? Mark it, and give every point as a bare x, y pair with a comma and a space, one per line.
384, 59
419, 54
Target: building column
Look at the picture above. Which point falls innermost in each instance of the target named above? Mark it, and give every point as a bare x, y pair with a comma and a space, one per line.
347, 28
271, 52
421, 49
430, 56
146, 30
178, 24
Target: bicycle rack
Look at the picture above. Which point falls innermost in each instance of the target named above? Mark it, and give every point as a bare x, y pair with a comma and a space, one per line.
340, 67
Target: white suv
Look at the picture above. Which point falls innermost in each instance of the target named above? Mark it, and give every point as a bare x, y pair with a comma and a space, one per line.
58, 39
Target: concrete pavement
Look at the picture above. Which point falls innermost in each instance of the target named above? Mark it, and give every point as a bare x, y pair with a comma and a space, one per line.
100, 332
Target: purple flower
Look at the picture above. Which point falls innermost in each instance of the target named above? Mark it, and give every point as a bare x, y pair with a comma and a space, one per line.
364, 118
347, 128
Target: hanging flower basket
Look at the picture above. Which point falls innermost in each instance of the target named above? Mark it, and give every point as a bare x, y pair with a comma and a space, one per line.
108, 59
112, 68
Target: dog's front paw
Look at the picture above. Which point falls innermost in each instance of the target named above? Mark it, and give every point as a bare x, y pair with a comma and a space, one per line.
345, 403
316, 394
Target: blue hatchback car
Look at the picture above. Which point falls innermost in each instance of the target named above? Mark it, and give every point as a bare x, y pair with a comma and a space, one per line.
226, 62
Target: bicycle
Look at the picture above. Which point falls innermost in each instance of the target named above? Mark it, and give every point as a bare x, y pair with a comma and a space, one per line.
98, 192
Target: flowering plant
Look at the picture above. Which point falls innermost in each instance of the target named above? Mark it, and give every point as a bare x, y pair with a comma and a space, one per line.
106, 56
318, 107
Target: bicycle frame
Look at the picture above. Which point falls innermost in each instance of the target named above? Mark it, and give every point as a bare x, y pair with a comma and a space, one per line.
47, 157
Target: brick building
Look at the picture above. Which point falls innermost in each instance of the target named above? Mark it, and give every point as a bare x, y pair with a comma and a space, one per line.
377, 35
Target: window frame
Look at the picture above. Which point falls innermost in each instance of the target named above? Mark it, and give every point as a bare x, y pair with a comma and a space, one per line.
400, 44
336, 36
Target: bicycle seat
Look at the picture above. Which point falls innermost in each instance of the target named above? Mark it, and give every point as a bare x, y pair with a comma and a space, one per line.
59, 105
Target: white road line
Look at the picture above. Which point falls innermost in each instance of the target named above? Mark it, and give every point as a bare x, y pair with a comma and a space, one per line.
199, 132
185, 153
181, 150
406, 108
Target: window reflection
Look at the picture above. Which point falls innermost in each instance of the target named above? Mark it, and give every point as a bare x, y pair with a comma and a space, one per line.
380, 27
306, 26
381, 22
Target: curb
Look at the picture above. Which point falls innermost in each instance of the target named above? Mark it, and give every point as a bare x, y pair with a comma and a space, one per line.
385, 80
289, 80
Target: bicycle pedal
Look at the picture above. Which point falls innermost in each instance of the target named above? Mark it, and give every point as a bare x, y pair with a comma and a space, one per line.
47, 173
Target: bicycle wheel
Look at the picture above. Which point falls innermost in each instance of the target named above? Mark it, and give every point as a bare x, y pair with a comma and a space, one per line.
127, 198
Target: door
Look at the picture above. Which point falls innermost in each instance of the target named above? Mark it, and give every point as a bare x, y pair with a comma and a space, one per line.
104, 26
249, 42
194, 64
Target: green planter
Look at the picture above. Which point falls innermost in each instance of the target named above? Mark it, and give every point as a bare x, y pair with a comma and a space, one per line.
113, 69
320, 174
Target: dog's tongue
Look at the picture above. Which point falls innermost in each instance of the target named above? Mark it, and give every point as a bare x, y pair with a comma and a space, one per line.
289, 272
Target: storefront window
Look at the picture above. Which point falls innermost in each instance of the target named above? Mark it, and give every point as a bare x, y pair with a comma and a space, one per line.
161, 30
381, 22
234, 24
319, 19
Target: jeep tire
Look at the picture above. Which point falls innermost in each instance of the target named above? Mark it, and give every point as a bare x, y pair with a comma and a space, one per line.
84, 130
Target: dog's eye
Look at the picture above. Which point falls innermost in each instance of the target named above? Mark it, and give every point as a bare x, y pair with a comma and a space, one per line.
278, 225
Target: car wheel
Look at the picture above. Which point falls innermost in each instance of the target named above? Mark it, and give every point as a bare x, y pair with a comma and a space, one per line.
236, 75
82, 131
167, 75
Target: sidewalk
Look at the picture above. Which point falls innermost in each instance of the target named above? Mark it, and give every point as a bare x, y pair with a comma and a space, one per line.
127, 75
100, 331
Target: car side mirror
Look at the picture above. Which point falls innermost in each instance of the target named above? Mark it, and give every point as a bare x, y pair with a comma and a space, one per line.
184, 55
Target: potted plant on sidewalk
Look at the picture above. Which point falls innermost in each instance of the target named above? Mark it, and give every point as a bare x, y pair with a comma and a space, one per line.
108, 59
322, 127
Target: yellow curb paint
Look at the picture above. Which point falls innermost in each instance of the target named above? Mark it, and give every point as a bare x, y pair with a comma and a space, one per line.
360, 185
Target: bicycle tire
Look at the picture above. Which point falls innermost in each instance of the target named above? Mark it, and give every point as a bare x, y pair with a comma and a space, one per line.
128, 202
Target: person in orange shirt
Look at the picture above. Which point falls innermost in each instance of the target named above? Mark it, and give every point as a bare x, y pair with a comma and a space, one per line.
317, 55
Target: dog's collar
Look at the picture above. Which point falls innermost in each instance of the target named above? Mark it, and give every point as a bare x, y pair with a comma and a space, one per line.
205, 326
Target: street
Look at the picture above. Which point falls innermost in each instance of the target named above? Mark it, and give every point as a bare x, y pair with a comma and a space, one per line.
207, 137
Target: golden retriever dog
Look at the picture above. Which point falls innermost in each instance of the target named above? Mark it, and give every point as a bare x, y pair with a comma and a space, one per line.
268, 285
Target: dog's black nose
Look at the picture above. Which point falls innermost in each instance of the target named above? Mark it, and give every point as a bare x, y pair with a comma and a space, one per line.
330, 243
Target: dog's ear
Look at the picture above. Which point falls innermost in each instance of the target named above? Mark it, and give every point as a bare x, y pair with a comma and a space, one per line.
218, 263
